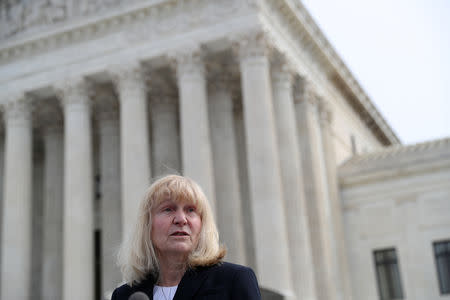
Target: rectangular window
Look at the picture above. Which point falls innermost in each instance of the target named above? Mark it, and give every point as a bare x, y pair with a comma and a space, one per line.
442, 257
388, 274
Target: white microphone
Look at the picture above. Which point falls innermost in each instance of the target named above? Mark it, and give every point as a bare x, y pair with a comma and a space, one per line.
139, 296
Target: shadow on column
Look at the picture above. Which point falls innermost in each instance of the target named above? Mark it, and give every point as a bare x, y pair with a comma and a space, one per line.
267, 294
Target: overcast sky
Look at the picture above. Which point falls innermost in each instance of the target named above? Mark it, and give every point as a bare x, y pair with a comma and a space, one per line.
399, 51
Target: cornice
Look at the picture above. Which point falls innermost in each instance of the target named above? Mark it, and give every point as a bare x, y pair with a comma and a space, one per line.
396, 160
143, 21
310, 38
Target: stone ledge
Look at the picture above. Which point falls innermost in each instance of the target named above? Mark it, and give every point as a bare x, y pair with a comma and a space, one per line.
396, 161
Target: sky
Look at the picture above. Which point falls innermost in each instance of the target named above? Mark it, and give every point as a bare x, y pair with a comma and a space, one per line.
399, 52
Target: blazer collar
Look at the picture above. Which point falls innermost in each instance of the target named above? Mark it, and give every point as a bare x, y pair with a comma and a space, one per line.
192, 280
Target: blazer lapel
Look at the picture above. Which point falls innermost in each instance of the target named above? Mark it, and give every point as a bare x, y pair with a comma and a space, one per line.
190, 283
146, 287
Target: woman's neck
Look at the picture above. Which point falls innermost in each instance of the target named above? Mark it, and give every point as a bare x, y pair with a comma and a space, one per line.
171, 270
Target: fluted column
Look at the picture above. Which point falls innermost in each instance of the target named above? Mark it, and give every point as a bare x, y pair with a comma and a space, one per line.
302, 268
134, 140
110, 202
340, 268
316, 187
241, 151
2, 172
264, 167
226, 174
16, 235
53, 208
166, 156
78, 253
194, 124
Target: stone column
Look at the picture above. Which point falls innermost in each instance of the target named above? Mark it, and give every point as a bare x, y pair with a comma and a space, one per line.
53, 210
2, 172
134, 140
340, 268
16, 235
266, 194
316, 187
194, 124
292, 179
166, 156
37, 237
246, 205
110, 202
78, 253
226, 174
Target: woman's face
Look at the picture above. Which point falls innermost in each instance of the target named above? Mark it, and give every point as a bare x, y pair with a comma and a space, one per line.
175, 227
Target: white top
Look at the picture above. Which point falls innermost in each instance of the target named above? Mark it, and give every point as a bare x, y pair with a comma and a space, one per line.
164, 292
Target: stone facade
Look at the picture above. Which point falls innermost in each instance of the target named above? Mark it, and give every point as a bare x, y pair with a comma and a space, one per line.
246, 97
398, 198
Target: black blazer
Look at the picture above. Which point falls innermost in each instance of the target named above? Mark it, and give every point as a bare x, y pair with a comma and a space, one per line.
221, 281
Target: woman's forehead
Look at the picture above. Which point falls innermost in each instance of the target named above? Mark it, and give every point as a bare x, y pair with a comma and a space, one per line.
177, 200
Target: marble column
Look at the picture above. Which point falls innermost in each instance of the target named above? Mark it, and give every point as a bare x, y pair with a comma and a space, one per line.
134, 140
78, 253
316, 187
53, 211
340, 267
2, 171
266, 194
166, 156
16, 235
246, 204
302, 268
110, 202
226, 173
194, 124
37, 218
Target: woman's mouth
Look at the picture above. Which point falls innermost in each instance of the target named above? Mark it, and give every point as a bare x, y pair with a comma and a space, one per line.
180, 233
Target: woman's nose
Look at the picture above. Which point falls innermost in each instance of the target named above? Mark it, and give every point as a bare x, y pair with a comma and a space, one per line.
180, 218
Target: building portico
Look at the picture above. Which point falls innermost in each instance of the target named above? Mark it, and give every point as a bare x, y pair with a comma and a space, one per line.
156, 87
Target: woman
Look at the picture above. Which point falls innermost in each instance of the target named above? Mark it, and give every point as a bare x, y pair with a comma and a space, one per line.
174, 251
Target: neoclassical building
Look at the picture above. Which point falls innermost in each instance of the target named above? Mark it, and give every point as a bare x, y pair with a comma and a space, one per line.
248, 98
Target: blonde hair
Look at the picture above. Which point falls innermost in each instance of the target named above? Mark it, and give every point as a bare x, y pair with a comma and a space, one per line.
137, 257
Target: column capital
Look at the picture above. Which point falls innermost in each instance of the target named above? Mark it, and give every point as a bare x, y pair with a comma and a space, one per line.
281, 71
251, 44
72, 92
17, 108
305, 92
128, 76
325, 112
188, 60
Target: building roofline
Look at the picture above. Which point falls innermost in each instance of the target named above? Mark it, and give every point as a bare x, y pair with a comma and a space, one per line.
344, 79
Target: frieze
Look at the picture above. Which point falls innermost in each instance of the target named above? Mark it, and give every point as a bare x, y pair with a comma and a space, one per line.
144, 20
21, 16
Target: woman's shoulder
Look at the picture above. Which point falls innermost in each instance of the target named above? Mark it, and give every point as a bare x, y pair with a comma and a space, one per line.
238, 281
122, 292
227, 270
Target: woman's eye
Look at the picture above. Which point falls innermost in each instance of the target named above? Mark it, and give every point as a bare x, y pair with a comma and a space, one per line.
191, 209
168, 209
